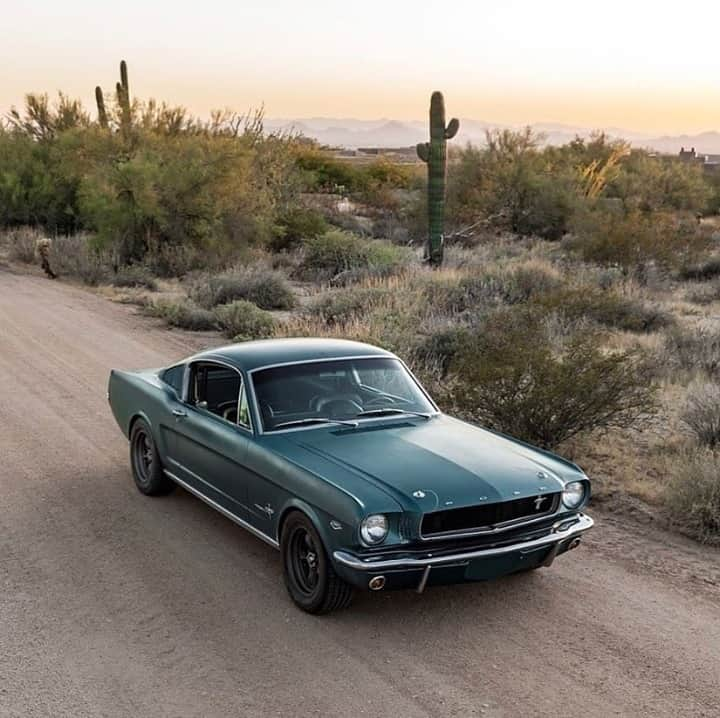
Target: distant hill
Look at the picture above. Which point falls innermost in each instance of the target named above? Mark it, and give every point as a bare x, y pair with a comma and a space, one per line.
384, 132
706, 143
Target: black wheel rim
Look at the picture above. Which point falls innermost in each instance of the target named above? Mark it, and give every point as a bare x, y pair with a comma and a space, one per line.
304, 558
143, 456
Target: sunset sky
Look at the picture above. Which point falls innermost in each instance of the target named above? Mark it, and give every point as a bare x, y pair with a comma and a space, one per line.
652, 67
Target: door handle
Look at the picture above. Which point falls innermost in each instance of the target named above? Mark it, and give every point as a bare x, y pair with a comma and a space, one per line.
179, 413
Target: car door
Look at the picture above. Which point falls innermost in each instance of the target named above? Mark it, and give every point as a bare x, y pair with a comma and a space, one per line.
208, 448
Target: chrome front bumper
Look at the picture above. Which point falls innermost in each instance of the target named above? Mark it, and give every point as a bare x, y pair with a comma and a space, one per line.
563, 532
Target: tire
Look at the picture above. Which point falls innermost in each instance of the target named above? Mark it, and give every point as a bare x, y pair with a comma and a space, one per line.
147, 469
309, 576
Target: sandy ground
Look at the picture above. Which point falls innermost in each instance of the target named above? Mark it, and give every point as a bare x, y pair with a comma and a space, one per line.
114, 604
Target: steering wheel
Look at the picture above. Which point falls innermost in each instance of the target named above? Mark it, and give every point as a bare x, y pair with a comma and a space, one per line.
319, 402
336, 408
383, 400
226, 409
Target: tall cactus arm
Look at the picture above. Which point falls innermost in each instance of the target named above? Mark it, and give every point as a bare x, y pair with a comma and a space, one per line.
102, 114
124, 78
452, 128
423, 151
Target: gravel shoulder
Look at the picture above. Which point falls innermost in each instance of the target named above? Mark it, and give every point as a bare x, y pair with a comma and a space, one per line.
113, 604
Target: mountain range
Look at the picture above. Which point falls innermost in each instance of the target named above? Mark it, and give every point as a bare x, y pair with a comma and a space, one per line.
384, 132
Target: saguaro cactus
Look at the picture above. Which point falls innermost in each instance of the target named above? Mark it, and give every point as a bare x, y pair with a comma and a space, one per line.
434, 153
123, 97
102, 114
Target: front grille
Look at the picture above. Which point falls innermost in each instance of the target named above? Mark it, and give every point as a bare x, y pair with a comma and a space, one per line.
487, 516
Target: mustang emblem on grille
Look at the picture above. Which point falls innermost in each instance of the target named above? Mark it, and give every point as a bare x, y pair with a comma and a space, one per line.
539, 502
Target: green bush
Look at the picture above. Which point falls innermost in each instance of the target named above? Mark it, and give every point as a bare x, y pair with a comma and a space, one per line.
490, 287
296, 225
701, 271
633, 241
183, 315
512, 376
606, 308
21, 243
337, 251
341, 306
134, 275
78, 256
692, 497
266, 288
243, 320
701, 414
705, 294
692, 350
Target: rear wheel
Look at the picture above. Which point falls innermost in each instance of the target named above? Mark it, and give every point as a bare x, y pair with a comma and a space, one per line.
147, 469
309, 576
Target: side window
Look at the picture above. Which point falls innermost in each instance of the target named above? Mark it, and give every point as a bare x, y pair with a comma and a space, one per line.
174, 377
244, 410
218, 389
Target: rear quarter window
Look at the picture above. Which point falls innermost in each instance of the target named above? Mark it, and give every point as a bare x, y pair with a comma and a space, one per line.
174, 377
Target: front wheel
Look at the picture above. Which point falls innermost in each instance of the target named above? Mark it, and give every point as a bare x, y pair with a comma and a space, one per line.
309, 576
147, 469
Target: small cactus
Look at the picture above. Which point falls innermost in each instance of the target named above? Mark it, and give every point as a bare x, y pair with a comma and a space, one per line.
434, 153
102, 114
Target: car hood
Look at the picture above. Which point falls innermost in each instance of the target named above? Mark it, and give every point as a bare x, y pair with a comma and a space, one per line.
428, 464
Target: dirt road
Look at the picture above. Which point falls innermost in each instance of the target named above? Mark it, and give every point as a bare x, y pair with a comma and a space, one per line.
114, 604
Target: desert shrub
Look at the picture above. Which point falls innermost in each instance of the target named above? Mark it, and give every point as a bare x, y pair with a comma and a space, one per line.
692, 350
701, 413
700, 271
295, 225
491, 287
439, 348
21, 244
651, 184
134, 275
338, 251
692, 497
78, 256
510, 376
512, 184
266, 288
635, 240
341, 306
705, 294
242, 320
183, 314
606, 308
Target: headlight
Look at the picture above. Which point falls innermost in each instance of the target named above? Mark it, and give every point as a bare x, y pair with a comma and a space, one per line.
573, 494
374, 529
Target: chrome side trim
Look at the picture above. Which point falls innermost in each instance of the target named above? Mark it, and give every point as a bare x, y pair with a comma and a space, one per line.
561, 532
228, 514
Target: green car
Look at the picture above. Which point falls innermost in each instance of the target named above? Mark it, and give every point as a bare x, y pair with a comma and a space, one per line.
332, 452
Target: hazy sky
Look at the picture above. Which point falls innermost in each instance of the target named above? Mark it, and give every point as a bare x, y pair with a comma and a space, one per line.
647, 66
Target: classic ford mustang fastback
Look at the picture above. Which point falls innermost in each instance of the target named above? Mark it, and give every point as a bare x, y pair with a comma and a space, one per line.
333, 452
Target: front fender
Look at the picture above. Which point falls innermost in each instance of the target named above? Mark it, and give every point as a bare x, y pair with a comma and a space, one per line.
332, 538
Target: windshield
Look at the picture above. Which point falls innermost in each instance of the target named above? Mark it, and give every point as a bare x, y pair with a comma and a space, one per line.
341, 389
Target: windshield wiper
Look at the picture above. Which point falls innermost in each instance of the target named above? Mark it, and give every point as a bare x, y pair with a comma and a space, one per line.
387, 411
315, 420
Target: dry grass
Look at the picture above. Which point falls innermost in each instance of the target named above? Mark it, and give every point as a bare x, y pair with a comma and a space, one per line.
416, 312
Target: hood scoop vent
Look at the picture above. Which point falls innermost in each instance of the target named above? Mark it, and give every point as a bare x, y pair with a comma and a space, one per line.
372, 427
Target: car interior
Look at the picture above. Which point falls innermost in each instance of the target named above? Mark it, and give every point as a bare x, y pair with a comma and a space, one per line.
333, 390
217, 389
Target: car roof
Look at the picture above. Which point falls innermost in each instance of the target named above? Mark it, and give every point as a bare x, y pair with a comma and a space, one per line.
268, 352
